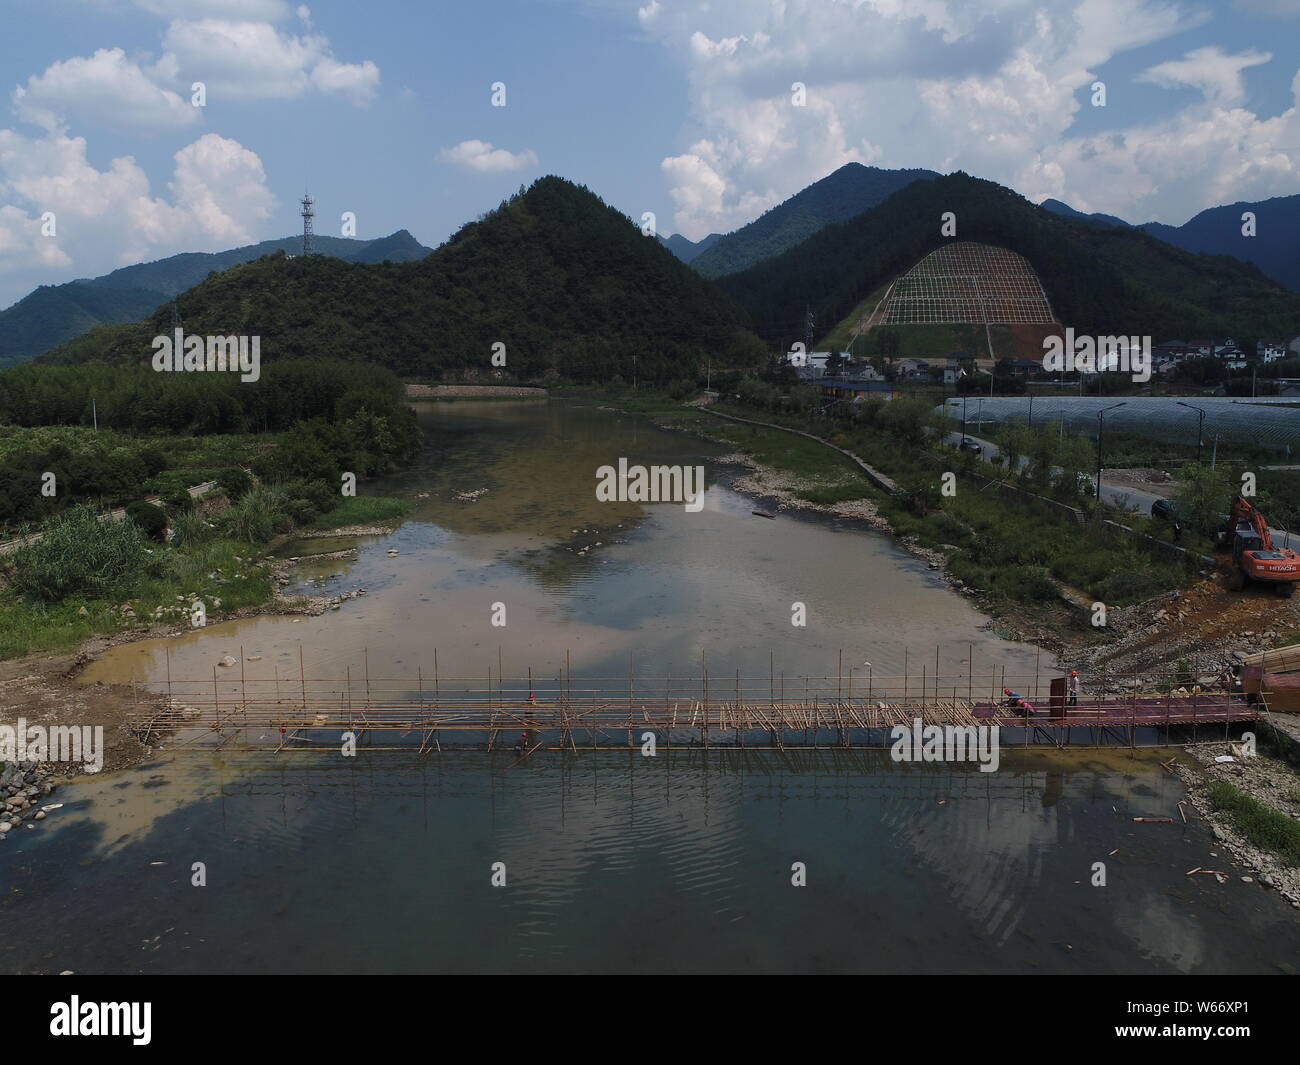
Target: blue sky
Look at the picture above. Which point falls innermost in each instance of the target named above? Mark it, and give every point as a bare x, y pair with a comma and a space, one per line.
683, 109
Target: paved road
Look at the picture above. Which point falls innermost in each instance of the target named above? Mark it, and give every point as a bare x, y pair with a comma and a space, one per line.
1123, 496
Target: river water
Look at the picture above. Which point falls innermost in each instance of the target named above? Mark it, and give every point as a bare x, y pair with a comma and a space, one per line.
614, 862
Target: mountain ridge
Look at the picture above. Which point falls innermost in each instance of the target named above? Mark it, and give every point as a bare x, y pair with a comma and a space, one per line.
1217, 231
54, 314
1100, 280
839, 196
554, 274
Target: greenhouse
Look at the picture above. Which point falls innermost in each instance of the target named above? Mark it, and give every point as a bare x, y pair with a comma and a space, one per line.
1268, 423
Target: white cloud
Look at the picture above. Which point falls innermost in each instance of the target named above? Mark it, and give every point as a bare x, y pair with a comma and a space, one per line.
109, 218
105, 89
993, 89
272, 10
482, 157
1210, 69
356, 80
649, 11
255, 61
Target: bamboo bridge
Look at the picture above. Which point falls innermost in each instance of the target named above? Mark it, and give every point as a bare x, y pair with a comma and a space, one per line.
532, 712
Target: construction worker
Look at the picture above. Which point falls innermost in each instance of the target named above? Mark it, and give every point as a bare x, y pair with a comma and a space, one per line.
1072, 689
1013, 698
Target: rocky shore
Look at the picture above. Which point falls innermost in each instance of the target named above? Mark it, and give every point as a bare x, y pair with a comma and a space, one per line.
1268, 781
23, 785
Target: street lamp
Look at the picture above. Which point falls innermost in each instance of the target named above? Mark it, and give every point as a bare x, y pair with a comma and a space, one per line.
1101, 427
1200, 425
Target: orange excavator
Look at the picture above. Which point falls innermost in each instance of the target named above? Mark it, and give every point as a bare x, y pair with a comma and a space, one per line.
1254, 558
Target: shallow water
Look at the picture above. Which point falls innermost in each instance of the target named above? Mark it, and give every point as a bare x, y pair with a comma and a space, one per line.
616, 862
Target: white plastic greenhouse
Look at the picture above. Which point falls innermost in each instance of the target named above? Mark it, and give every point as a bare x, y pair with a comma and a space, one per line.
1265, 422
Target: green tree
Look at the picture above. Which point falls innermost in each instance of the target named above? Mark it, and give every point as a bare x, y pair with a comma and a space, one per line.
1203, 496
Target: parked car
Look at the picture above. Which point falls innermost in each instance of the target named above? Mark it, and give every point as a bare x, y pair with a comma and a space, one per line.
970, 445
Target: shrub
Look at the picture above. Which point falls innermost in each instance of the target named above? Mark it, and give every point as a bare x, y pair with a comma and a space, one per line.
258, 515
1029, 582
81, 555
189, 529
150, 518
234, 481
179, 499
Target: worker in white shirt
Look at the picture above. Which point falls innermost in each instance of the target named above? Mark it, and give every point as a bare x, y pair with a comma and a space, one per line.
1073, 689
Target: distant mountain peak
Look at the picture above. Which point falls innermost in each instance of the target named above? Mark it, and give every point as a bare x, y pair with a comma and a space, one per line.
839, 196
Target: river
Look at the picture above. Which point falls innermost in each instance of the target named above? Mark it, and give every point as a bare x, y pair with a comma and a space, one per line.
614, 862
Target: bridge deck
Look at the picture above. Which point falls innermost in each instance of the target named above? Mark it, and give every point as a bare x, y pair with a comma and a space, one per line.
563, 723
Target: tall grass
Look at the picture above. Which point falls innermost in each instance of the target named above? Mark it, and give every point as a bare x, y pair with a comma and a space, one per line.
362, 510
258, 515
79, 555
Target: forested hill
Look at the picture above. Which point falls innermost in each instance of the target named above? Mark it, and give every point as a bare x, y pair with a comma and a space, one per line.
839, 196
53, 314
558, 277
1218, 231
1100, 280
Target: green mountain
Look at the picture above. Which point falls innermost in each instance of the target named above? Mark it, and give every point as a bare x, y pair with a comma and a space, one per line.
687, 250
1217, 231
1100, 280
54, 314
1057, 207
849, 191
557, 276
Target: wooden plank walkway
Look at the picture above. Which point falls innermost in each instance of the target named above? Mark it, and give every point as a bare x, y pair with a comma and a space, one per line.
692, 722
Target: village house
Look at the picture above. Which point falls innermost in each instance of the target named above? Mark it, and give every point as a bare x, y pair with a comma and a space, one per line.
1271, 349
836, 388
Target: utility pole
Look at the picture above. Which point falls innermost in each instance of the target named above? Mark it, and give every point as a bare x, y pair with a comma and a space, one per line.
1101, 426
1200, 425
807, 330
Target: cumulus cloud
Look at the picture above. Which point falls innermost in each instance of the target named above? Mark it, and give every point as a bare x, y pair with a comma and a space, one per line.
255, 61
1211, 70
483, 158
109, 218
105, 89
272, 10
993, 89
236, 59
